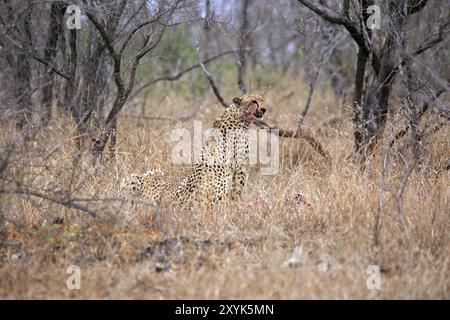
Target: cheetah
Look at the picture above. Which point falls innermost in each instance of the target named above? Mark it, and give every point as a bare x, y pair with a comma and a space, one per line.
220, 172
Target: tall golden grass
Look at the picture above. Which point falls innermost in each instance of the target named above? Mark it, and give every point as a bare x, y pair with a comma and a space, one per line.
139, 251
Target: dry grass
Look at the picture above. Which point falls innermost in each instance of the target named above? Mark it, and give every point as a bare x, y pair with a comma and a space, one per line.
237, 252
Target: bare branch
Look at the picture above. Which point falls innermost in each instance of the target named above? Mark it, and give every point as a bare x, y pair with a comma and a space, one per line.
401, 133
418, 5
430, 41
324, 12
327, 51
143, 24
36, 57
178, 75
211, 81
353, 30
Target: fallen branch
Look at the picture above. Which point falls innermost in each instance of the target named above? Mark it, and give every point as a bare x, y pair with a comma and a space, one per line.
298, 134
68, 203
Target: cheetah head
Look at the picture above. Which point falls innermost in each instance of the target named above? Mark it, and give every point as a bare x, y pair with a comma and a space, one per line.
252, 105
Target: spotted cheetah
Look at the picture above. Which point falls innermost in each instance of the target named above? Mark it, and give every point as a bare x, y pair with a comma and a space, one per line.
220, 171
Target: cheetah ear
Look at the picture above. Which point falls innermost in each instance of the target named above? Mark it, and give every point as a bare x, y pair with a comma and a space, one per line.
237, 101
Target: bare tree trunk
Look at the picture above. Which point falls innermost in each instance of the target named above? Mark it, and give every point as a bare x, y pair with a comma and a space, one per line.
376, 105
84, 105
412, 105
243, 34
55, 28
207, 22
72, 67
103, 88
23, 79
109, 129
113, 140
357, 100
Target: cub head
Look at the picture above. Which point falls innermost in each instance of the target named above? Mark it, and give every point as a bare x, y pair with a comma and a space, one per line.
252, 105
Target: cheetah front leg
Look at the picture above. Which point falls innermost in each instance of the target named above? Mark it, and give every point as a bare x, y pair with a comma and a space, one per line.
238, 184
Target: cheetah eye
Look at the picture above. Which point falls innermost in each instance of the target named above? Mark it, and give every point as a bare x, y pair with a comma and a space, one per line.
256, 102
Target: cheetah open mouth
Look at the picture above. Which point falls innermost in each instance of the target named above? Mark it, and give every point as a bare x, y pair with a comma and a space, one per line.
259, 113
